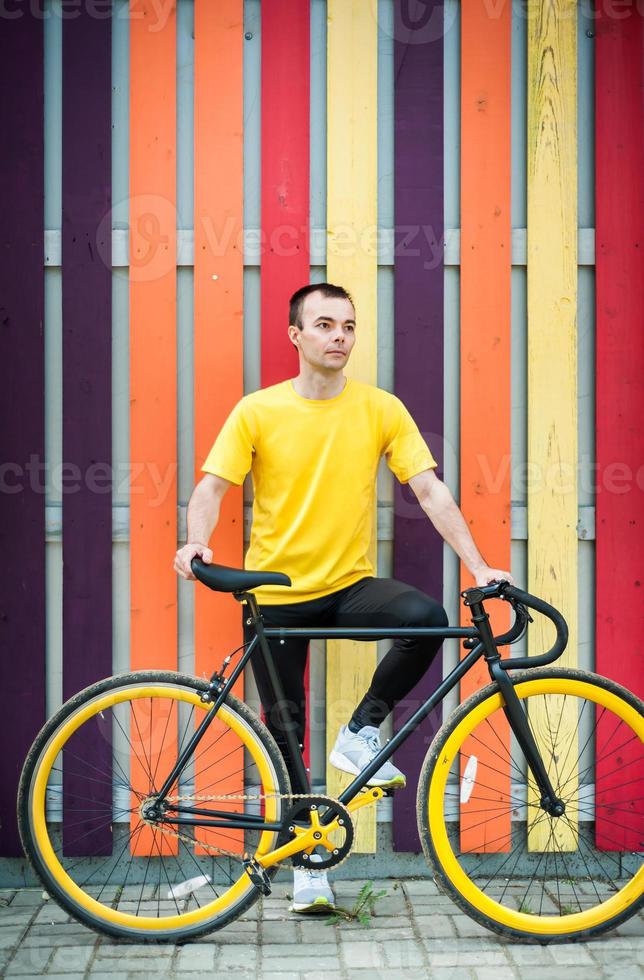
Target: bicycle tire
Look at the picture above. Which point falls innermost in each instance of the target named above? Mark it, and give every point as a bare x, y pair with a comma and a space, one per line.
39, 836
562, 922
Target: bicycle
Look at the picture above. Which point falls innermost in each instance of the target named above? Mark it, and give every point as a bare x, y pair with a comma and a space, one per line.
114, 809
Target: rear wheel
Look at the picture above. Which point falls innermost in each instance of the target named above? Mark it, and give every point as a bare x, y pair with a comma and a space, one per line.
85, 791
505, 861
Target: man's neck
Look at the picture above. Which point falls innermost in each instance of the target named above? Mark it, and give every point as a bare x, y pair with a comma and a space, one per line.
319, 386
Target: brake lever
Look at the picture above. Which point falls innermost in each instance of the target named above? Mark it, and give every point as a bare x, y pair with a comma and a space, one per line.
520, 609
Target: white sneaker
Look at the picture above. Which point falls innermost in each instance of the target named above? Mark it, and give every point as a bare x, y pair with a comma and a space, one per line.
353, 751
311, 890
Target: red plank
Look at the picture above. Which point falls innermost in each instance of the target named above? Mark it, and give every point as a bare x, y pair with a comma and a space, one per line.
619, 250
285, 260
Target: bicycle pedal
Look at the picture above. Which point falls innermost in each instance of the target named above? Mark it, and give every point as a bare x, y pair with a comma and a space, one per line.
257, 875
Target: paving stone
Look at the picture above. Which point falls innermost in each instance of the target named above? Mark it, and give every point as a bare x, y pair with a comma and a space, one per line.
245, 959
570, 953
9, 936
148, 963
110, 949
632, 927
494, 973
452, 973
100, 975
404, 955
616, 972
62, 929
289, 952
369, 934
27, 896
70, 959
569, 973
469, 927
331, 975
15, 917
435, 926
438, 902
468, 957
357, 954
422, 887
526, 954
51, 914
226, 937
28, 961
299, 964
413, 927
317, 932
196, 959
377, 921
392, 973
278, 975
615, 951
84, 938
280, 932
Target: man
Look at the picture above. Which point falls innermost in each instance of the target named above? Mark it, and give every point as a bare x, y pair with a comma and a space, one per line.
313, 444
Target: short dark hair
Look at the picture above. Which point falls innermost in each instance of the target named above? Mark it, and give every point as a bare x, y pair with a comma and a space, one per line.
296, 303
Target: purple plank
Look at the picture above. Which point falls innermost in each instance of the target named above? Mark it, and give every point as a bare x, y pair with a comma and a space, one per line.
87, 405
418, 351
22, 409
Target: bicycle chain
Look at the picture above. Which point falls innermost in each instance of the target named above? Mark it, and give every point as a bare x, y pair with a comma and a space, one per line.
222, 799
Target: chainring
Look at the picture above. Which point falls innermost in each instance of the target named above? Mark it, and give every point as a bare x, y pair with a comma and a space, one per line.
299, 814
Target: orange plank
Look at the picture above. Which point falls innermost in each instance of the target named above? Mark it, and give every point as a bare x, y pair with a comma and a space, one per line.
485, 355
218, 328
153, 399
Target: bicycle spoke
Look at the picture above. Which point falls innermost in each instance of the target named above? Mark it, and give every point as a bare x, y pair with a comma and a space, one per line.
537, 861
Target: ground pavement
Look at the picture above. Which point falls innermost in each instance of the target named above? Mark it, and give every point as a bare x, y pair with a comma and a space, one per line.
415, 933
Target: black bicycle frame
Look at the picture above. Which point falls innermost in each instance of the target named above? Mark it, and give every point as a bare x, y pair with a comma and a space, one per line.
484, 646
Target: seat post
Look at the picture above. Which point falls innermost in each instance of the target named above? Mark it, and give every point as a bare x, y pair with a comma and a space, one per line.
253, 608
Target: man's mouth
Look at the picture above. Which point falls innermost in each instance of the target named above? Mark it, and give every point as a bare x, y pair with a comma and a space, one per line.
337, 352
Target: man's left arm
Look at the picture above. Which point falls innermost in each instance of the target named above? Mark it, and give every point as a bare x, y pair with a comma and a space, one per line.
436, 500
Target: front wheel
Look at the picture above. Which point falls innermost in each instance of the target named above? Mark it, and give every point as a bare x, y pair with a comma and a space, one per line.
496, 852
84, 807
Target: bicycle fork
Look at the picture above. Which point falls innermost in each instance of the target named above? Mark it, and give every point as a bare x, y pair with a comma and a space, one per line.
514, 711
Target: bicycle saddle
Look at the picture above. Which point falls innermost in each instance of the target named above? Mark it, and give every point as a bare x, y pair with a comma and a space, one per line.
221, 578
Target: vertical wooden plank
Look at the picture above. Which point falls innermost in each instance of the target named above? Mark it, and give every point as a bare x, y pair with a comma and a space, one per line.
352, 263
87, 401
285, 156
418, 339
218, 324
153, 384
552, 355
22, 405
485, 361
619, 259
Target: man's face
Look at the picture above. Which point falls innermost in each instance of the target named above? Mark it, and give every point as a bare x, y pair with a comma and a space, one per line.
328, 333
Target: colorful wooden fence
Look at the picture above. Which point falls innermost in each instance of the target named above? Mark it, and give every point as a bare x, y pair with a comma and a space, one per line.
414, 257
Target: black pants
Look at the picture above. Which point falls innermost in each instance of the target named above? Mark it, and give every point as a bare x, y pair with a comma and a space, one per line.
368, 602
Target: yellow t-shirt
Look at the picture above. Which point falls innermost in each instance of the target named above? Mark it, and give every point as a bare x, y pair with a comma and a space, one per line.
314, 465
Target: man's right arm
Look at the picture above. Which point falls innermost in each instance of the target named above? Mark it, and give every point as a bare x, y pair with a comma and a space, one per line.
203, 515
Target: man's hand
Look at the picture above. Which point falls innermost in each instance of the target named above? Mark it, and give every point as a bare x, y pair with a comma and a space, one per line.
487, 575
185, 555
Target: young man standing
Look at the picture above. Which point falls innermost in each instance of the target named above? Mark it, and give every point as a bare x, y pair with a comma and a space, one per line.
313, 444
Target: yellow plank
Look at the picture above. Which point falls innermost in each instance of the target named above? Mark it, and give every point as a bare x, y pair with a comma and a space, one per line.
352, 46
552, 364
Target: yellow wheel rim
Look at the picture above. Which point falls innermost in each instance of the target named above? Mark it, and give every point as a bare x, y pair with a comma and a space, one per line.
41, 836
524, 921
